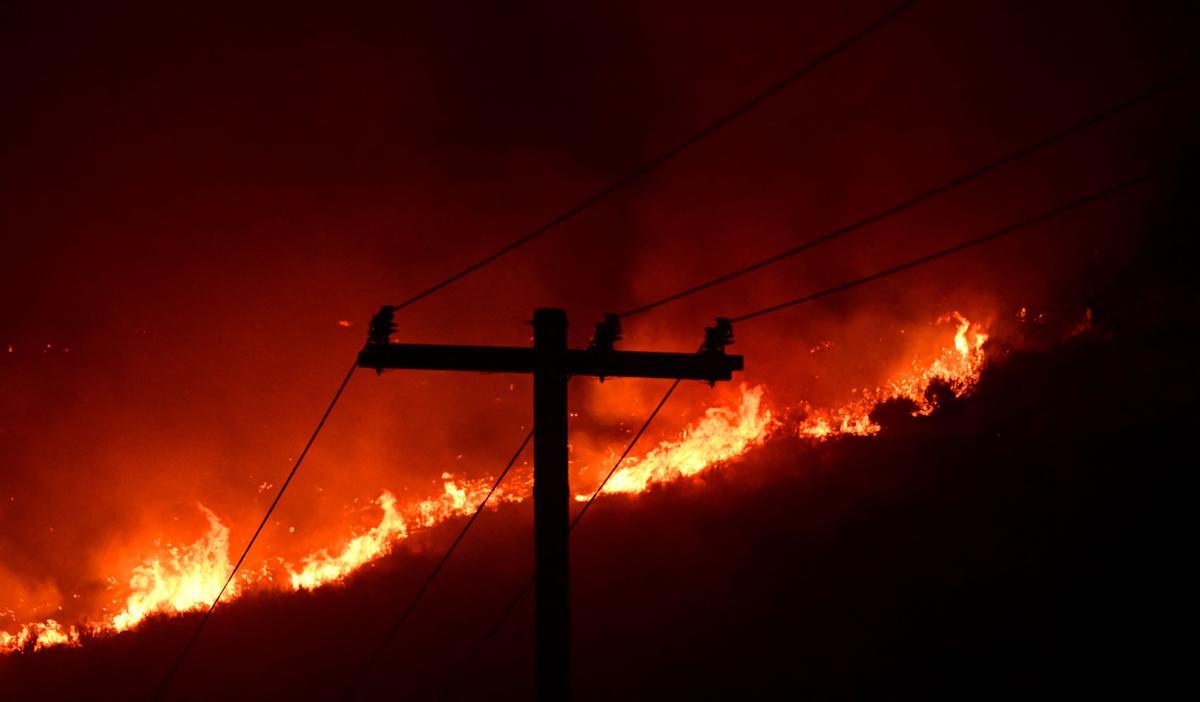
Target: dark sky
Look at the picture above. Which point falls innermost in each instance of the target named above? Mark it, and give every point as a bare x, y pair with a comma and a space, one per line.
194, 197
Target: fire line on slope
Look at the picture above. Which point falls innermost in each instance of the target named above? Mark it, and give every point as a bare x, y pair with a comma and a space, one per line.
186, 578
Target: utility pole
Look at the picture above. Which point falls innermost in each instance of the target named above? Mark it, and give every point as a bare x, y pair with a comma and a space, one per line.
551, 363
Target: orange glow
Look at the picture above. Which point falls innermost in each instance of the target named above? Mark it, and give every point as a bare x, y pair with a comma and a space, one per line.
187, 578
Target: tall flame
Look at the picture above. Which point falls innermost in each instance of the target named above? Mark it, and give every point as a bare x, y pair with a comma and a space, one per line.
186, 579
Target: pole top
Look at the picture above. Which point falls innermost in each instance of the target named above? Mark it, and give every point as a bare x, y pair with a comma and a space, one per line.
549, 316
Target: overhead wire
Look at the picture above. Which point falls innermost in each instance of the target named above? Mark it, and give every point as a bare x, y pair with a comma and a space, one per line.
465, 666
969, 176
587, 505
1045, 142
161, 691
1091, 120
1055, 137
634, 175
646, 168
412, 604
670, 153
990, 236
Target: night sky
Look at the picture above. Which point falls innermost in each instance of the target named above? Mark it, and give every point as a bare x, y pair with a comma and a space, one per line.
203, 206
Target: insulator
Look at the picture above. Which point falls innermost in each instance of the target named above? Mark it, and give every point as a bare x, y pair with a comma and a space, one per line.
382, 326
608, 333
718, 336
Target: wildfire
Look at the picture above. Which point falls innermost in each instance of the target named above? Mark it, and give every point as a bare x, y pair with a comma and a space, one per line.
958, 366
188, 578
722, 434
39, 635
456, 500
321, 567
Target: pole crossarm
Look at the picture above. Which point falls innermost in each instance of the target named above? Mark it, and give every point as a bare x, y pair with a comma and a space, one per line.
552, 365
709, 367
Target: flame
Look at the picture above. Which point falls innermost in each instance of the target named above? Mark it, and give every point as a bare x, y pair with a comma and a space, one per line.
39, 635
457, 499
181, 580
721, 435
959, 366
320, 567
188, 578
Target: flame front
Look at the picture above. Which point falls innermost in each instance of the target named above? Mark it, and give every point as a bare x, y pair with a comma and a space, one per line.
321, 567
724, 433
188, 578
958, 366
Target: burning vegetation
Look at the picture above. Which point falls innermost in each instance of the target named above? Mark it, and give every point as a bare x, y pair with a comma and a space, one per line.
186, 578
957, 366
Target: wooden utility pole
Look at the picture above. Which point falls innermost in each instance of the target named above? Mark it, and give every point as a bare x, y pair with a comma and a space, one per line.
551, 363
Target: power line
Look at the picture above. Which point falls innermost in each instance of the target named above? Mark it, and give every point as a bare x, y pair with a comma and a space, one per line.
878, 216
962, 179
654, 163
628, 447
412, 604
671, 153
158, 695
962, 246
633, 176
465, 666
387, 639
974, 174
599, 195
1045, 216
